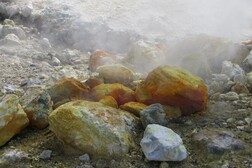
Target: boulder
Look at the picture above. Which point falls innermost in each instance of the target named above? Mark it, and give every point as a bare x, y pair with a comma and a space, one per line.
99, 58
174, 86
93, 128
133, 107
37, 105
109, 101
115, 73
162, 144
66, 90
120, 93
144, 56
13, 119
153, 114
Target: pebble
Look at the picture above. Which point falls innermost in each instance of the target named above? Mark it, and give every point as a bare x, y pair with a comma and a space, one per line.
164, 165
84, 158
45, 155
248, 120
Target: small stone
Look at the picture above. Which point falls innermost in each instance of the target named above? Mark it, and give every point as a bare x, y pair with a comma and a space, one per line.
55, 61
45, 155
45, 43
164, 165
248, 120
240, 123
84, 158
153, 114
230, 120
231, 96
10, 40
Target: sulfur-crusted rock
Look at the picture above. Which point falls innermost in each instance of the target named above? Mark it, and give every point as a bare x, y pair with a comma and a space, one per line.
162, 144
133, 107
174, 86
37, 105
115, 73
93, 128
120, 93
66, 90
109, 101
13, 119
99, 58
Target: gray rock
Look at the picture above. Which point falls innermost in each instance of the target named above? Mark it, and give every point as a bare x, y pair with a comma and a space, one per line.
231, 69
217, 141
248, 120
45, 43
10, 29
240, 78
84, 158
162, 144
10, 40
55, 61
220, 78
231, 96
11, 157
153, 114
27, 10
12, 10
247, 63
46, 154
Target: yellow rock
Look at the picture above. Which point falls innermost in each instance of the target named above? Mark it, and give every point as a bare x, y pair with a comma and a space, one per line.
93, 128
109, 101
120, 93
133, 107
13, 119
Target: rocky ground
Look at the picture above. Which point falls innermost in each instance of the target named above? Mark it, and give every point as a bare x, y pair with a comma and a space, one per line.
39, 46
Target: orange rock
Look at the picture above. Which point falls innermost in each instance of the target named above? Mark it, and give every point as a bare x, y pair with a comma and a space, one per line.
120, 93
93, 81
133, 107
66, 90
174, 86
109, 101
99, 58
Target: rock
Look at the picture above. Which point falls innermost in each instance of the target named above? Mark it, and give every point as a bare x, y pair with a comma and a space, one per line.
120, 93
109, 101
240, 79
172, 112
239, 88
217, 142
93, 81
66, 90
37, 105
247, 63
99, 58
144, 56
153, 114
10, 40
55, 61
45, 43
162, 144
9, 29
13, 157
84, 158
164, 165
93, 128
45, 155
174, 86
26, 11
12, 10
248, 120
133, 107
68, 72
1, 30
115, 73
231, 69
13, 119
231, 96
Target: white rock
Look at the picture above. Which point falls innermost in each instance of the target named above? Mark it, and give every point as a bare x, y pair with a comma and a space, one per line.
162, 144
231, 69
55, 61
10, 40
27, 10
45, 43
12, 10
